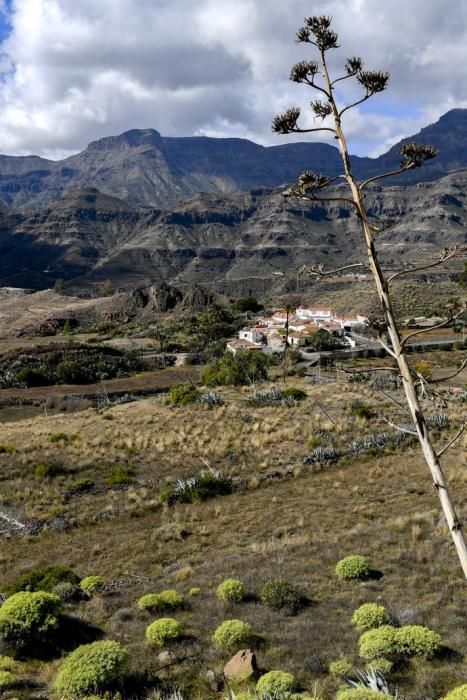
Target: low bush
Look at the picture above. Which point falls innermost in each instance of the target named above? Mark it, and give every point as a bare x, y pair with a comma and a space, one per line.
415, 640
160, 601
7, 680
7, 449
369, 616
207, 484
163, 631
91, 584
90, 668
340, 668
459, 693
231, 590
279, 593
7, 663
120, 475
182, 395
355, 566
43, 579
62, 437
276, 683
362, 410
26, 619
295, 394
361, 694
232, 634
377, 643
47, 470
193, 592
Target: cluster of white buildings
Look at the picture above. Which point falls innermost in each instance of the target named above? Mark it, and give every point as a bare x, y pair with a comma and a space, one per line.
267, 333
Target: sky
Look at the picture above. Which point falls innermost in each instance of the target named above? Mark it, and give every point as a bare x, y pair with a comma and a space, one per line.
72, 71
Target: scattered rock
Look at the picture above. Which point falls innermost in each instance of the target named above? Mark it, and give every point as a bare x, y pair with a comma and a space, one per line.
241, 666
166, 657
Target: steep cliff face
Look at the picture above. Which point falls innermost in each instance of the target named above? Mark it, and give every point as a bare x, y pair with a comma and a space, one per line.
233, 242
148, 170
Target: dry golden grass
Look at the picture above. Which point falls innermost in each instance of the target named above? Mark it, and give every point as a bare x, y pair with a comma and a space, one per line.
298, 527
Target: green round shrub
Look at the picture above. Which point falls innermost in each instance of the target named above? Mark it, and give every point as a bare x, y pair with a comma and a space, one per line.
6, 663
280, 593
7, 680
91, 584
231, 590
28, 618
232, 634
160, 601
340, 668
355, 566
361, 694
90, 668
369, 616
415, 640
377, 643
459, 693
163, 631
194, 592
275, 683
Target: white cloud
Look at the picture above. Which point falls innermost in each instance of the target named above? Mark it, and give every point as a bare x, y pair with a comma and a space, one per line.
76, 71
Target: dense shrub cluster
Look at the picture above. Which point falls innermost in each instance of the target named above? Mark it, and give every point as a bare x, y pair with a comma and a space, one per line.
91, 584
7, 680
361, 694
43, 579
163, 631
231, 590
207, 484
355, 566
160, 601
244, 367
369, 616
276, 683
182, 395
65, 364
26, 619
90, 669
410, 640
340, 668
232, 634
279, 593
210, 399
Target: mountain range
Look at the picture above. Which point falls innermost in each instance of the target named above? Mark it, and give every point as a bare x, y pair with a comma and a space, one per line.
140, 209
147, 169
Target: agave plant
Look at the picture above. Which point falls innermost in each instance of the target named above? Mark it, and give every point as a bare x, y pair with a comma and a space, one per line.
372, 679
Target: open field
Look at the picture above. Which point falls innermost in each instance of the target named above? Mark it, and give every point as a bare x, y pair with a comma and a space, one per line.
282, 520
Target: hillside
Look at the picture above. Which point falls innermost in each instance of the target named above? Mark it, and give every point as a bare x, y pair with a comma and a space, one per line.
249, 243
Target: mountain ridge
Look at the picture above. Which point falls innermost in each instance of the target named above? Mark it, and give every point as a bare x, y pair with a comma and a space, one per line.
151, 170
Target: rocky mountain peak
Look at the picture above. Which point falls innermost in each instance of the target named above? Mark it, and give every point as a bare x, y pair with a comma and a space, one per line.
129, 139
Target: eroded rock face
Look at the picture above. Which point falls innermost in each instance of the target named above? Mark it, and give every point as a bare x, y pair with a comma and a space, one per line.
241, 667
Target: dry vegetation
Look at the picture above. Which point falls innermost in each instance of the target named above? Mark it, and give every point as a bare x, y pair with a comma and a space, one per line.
282, 520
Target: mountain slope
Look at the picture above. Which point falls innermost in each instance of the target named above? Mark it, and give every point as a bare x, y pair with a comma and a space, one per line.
235, 243
146, 169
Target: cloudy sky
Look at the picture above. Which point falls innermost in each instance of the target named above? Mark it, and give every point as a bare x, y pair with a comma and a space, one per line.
76, 70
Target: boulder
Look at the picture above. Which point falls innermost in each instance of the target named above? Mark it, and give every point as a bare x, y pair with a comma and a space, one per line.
241, 666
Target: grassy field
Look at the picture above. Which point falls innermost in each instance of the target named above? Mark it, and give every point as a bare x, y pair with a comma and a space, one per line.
282, 520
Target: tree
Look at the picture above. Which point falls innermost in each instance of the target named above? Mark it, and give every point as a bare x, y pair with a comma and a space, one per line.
245, 367
318, 33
